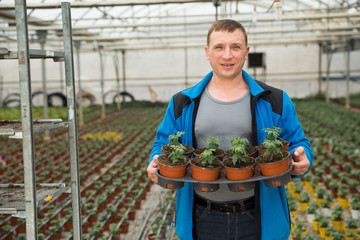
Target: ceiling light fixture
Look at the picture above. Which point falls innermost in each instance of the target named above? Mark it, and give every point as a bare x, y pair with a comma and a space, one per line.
278, 9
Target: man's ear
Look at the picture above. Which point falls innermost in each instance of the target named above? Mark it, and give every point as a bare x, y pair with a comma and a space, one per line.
207, 52
247, 52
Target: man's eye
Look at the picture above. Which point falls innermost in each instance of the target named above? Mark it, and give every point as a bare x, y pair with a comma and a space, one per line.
236, 47
218, 47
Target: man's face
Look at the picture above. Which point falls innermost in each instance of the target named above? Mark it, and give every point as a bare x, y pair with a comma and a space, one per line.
227, 53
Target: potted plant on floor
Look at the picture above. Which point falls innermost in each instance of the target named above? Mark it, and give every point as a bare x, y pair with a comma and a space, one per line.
239, 165
323, 224
174, 164
317, 219
292, 207
174, 141
342, 196
273, 160
205, 167
337, 216
304, 201
350, 235
326, 205
298, 187
355, 208
351, 224
320, 193
298, 231
213, 145
311, 211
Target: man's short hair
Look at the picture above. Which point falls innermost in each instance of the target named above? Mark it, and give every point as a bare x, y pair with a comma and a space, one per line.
226, 25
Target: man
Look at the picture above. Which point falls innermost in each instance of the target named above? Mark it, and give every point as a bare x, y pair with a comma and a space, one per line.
228, 103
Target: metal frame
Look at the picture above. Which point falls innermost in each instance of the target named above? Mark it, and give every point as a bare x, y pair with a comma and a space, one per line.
303, 21
27, 128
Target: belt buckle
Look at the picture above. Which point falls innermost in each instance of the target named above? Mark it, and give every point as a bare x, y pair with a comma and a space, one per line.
228, 208
242, 207
224, 208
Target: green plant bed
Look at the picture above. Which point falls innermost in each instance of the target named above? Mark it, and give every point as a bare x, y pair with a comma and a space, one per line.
354, 100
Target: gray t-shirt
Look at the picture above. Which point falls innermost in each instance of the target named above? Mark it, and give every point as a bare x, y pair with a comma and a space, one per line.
225, 120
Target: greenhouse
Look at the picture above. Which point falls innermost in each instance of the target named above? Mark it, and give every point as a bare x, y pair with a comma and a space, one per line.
92, 91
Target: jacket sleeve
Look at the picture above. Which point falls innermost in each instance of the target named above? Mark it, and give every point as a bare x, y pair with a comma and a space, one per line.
166, 128
292, 130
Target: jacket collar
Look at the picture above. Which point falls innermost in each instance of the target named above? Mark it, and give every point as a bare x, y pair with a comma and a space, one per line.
195, 91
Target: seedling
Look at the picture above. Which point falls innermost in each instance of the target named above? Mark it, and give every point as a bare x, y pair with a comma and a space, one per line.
239, 149
272, 133
272, 142
177, 154
207, 156
174, 139
212, 142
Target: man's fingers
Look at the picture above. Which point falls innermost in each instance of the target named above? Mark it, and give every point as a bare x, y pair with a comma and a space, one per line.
300, 166
151, 169
298, 151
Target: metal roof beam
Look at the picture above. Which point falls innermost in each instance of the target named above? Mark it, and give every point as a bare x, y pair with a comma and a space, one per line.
90, 4
321, 16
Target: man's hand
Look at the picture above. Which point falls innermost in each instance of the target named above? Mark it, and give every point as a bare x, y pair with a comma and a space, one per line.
151, 169
300, 162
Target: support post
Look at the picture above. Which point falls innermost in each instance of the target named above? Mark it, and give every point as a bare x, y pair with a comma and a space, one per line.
124, 74
347, 62
116, 65
320, 69
72, 121
186, 67
81, 115
42, 40
103, 114
329, 56
26, 119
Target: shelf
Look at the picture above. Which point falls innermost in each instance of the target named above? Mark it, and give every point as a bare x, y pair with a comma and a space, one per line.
13, 128
34, 54
234, 186
12, 196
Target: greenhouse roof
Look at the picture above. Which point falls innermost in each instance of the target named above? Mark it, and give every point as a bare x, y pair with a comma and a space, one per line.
158, 24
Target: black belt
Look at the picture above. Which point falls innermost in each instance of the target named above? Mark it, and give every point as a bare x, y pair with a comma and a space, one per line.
229, 207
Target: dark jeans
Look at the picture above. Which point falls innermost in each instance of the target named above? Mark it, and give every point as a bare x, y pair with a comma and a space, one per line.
216, 225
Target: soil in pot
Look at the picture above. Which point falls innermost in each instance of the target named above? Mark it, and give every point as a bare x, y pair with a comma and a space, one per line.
205, 171
166, 149
284, 147
219, 153
240, 170
273, 165
171, 169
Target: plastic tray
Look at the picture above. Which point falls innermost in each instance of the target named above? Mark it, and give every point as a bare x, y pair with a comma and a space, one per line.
235, 186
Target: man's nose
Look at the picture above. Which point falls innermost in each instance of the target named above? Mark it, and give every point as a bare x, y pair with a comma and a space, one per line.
227, 53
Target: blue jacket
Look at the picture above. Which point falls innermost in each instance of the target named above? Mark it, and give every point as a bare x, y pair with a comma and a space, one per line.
270, 107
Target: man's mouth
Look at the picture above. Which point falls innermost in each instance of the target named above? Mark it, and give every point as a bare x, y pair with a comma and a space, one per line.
227, 65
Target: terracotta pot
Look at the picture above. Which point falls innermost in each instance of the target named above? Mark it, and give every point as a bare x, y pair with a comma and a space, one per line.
274, 168
131, 215
204, 174
238, 174
68, 226
124, 227
21, 229
172, 171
